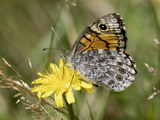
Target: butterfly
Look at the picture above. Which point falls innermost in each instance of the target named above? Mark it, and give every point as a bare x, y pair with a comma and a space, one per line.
99, 54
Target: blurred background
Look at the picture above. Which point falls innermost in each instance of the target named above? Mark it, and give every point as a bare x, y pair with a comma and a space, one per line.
25, 29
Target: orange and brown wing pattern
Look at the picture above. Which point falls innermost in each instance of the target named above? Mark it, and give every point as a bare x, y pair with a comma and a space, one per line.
108, 32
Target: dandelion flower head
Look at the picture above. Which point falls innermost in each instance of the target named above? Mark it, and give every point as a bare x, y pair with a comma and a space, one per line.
60, 81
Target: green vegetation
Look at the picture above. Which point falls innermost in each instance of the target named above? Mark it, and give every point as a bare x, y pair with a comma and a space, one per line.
25, 30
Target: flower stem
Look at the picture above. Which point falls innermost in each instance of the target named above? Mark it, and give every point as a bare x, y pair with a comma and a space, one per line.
70, 108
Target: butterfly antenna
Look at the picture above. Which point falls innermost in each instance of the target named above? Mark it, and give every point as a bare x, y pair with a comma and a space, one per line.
53, 48
57, 37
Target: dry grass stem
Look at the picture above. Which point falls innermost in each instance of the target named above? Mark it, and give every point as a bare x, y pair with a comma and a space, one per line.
151, 69
40, 109
156, 92
156, 41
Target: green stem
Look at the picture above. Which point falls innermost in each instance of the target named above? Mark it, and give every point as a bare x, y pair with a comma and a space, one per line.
70, 108
90, 111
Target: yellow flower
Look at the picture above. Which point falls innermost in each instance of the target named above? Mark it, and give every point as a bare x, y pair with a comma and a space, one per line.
60, 81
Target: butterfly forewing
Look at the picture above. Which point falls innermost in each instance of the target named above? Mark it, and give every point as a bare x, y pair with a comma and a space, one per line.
94, 37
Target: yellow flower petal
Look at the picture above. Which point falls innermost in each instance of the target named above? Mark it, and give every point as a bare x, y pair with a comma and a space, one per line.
69, 96
54, 68
68, 64
58, 100
40, 74
76, 87
48, 93
39, 94
36, 88
61, 64
90, 90
86, 85
38, 81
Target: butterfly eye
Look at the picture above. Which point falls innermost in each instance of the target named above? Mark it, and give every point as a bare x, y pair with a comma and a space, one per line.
102, 26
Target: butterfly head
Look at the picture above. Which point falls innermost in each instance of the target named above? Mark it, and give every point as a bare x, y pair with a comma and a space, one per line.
65, 55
